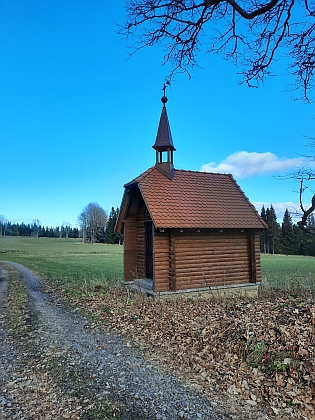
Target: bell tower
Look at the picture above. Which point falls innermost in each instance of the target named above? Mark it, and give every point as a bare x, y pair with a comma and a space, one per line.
164, 146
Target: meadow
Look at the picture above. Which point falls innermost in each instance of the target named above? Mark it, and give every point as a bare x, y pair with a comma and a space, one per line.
66, 261
70, 262
288, 272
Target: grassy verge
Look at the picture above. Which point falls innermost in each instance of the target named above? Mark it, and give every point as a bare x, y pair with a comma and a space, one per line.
16, 301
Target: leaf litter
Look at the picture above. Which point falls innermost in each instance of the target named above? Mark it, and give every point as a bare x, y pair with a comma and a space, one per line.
259, 350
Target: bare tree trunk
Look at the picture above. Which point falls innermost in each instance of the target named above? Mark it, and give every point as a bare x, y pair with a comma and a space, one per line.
2, 224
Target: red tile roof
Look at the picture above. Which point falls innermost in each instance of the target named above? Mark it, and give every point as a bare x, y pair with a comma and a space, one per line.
195, 200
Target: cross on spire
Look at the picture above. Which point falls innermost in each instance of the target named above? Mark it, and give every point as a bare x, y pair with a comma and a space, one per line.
164, 89
164, 97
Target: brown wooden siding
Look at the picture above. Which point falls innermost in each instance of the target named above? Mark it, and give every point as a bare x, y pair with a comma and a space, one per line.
192, 260
140, 241
257, 257
161, 262
211, 259
131, 238
130, 247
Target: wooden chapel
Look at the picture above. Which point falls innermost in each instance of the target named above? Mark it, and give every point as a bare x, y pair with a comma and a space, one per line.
187, 231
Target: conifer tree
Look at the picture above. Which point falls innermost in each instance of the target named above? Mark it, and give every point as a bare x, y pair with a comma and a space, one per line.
16, 230
263, 233
273, 232
112, 237
309, 243
287, 234
299, 241
311, 223
2, 225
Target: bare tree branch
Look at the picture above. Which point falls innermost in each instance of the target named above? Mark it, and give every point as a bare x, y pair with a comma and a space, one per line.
257, 12
306, 213
249, 32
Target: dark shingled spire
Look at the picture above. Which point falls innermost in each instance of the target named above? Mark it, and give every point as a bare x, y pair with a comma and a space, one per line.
164, 135
164, 143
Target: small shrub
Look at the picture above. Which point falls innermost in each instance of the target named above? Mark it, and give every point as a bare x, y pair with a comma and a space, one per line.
256, 355
107, 309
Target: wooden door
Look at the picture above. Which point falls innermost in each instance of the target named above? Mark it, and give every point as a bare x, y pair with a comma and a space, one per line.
148, 250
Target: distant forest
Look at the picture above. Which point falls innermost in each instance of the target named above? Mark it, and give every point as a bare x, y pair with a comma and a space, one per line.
35, 229
287, 238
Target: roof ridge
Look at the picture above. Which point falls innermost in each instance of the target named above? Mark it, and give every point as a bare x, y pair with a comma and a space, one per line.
202, 172
144, 174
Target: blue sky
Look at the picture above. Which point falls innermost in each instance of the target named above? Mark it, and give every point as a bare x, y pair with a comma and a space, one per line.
78, 117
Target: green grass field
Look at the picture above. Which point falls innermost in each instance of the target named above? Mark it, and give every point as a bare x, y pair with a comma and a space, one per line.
71, 262
66, 261
288, 271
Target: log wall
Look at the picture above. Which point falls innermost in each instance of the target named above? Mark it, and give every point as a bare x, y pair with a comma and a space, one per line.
131, 238
215, 259
130, 248
140, 241
187, 260
255, 257
161, 268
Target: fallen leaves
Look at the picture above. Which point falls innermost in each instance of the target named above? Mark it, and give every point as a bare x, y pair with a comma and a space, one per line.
260, 350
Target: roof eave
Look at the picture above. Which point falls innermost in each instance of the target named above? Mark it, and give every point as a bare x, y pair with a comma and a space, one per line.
119, 227
147, 206
224, 228
261, 221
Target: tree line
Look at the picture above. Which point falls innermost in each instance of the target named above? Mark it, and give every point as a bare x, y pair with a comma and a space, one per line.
35, 229
95, 226
287, 237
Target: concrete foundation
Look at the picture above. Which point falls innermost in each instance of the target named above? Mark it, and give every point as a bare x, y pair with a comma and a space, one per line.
144, 286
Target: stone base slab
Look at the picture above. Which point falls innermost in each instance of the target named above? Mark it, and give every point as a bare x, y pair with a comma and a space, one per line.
235, 290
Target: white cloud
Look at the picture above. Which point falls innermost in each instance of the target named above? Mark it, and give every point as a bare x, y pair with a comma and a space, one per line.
294, 209
248, 164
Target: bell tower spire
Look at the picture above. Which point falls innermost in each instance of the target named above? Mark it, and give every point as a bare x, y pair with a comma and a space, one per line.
164, 145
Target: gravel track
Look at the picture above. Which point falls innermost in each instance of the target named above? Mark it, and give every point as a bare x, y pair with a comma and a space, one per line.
89, 365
